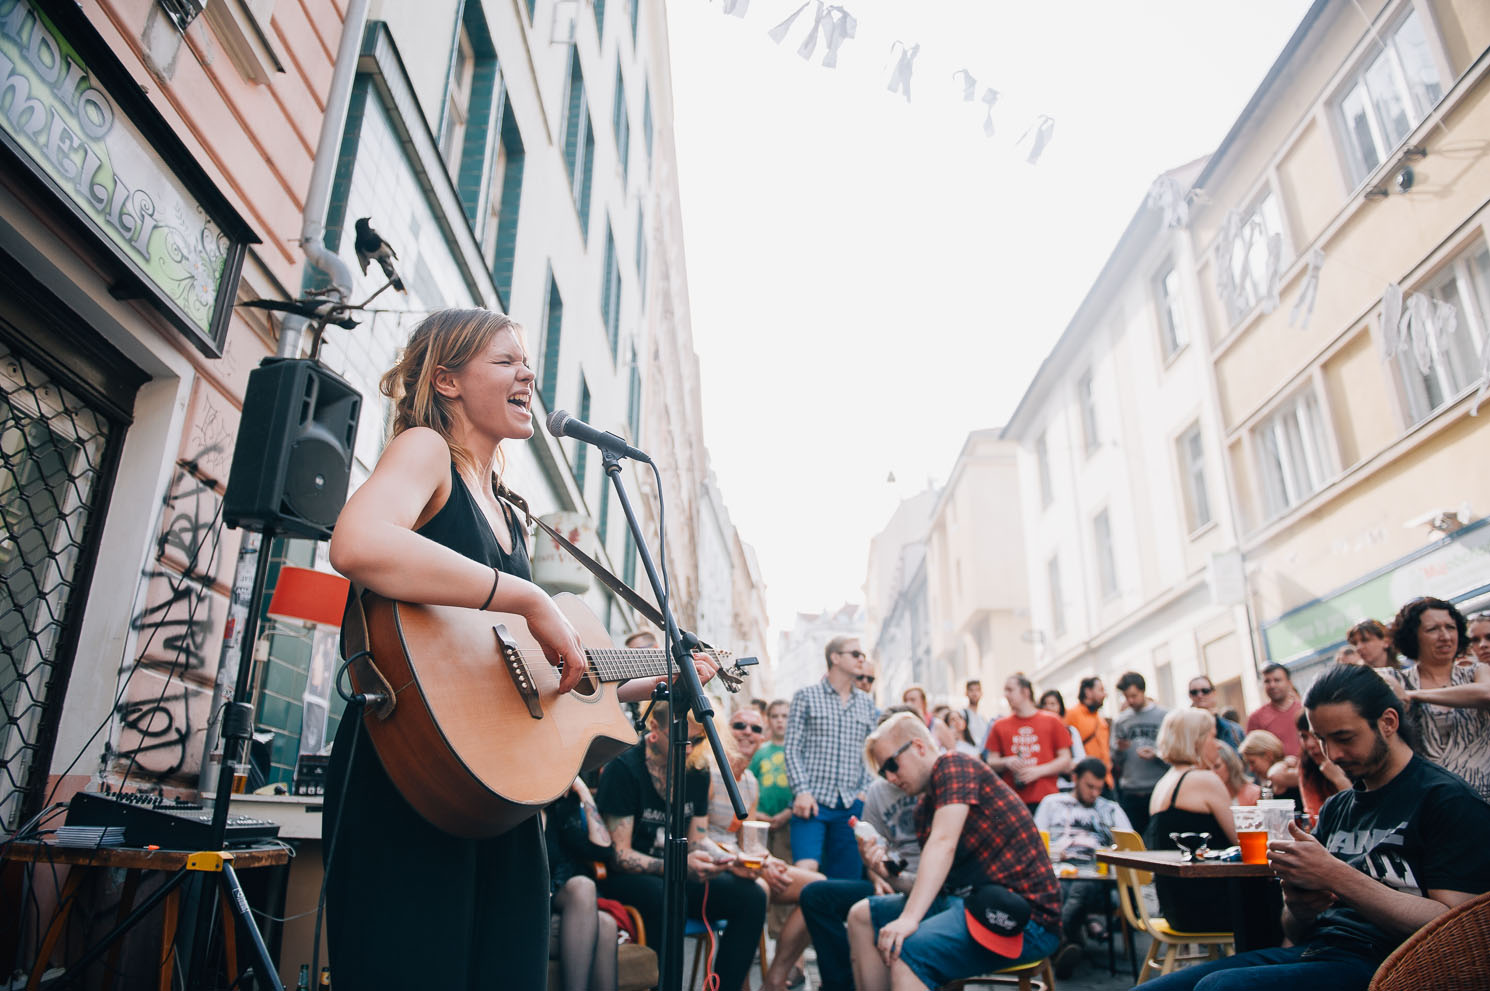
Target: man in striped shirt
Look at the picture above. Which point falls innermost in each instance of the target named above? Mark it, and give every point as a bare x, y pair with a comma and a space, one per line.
825, 762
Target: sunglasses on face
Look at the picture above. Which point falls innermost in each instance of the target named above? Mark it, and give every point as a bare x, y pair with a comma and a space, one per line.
891, 764
743, 726
857, 655
865, 679
1194, 692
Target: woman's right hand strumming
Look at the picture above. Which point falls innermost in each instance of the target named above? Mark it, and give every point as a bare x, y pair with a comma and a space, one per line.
560, 643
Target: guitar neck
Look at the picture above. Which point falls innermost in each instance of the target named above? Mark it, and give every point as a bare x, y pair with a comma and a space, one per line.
624, 663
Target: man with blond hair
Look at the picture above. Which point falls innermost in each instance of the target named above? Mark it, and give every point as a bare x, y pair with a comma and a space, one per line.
984, 896
825, 730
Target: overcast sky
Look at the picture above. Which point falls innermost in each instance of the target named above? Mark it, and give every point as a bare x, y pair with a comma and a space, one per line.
871, 279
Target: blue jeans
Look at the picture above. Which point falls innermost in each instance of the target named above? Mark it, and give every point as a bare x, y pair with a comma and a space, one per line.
828, 839
941, 950
1313, 965
825, 906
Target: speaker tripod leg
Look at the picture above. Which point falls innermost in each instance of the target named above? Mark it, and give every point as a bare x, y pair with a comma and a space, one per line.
266, 975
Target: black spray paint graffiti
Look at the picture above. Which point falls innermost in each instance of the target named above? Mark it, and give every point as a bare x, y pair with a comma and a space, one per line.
180, 625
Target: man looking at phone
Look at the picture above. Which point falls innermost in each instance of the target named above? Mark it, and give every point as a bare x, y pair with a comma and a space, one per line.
632, 799
1401, 847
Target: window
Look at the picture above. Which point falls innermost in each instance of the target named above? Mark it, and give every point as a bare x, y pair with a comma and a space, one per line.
1086, 398
581, 449
1107, 578
621, 124
502, 234
636, 9
1242, 268
641, 257
1190, 450
579, 141
647, 121
1042, 463
553, 322
1172, 334
1057, 602
1465, 285
600, 17
610, 294
1290, 449
458, 102
634, 399
532, 6
603, 524
1387, 96
628, 559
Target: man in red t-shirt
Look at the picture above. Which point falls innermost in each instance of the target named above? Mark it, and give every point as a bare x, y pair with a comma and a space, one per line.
1280, 716
1030, 748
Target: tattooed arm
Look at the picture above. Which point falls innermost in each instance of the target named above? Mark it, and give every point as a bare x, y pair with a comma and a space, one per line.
629, 861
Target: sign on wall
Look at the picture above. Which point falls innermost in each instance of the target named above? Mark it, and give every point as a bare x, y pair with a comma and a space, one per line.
79, 124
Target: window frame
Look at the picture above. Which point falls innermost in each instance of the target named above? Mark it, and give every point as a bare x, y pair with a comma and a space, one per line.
1257, 212
1473, 309
1195, 488
1057, 596
1277, 500
1174, 332
458, 89
1043, 476
1086, 405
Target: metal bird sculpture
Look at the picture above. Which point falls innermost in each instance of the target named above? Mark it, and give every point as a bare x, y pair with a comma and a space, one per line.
370, 246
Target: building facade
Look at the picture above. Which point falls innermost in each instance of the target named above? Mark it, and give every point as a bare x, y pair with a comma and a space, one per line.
1125, 509
1341, 245
799, 660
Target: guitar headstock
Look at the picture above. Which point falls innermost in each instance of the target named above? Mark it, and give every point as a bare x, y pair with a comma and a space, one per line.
734, 675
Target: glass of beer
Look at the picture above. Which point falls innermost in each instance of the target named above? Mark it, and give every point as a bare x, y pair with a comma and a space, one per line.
753, 843
1251, 832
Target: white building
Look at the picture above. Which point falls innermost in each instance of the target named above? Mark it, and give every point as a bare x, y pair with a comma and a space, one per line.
1126, 512
895, 554
799, 659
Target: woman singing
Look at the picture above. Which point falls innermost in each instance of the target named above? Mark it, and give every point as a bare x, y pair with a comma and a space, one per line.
408, 905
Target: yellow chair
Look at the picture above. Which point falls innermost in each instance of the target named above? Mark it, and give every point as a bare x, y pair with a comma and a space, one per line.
1045, 838
1167, 946
1036, 975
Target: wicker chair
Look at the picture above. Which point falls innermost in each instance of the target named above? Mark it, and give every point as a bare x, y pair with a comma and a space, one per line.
1451, 953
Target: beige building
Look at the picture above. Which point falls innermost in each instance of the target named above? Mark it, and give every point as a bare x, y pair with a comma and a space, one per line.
1352, 453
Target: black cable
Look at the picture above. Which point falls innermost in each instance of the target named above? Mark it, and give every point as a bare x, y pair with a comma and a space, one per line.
360, 701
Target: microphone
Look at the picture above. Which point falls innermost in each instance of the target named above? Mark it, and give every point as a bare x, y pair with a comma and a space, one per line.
561, 424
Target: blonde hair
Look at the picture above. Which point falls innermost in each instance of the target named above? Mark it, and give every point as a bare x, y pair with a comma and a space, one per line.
698, 757
1261, 743
898, 728
1236, 772
1181, 733
447, 339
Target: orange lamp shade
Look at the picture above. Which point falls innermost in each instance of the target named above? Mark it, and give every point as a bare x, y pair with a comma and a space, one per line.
309, 595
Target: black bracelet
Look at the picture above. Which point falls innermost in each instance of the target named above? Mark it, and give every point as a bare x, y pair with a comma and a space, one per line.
495, 577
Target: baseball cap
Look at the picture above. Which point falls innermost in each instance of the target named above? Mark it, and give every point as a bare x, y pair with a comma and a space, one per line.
996, 918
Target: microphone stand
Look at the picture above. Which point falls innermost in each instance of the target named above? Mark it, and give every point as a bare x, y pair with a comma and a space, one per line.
687, 694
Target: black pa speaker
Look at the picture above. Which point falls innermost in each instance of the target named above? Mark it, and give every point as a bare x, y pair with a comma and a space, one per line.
293, 458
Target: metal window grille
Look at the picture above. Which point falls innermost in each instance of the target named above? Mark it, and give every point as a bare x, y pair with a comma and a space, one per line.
55, 455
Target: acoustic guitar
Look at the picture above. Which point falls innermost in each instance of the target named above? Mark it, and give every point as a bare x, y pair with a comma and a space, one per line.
465, 711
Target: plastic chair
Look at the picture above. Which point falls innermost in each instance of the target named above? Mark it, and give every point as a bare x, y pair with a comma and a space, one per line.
694, 929
1036, 975
1448, 954
1166, 949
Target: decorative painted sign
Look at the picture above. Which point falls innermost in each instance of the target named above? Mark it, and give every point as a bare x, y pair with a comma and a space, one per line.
59, 117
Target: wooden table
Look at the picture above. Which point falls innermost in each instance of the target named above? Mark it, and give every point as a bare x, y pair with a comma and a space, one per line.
1256, 901
132, 860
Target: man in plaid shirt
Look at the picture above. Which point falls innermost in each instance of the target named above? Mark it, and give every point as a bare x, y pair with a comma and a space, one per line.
825, 763
974, 832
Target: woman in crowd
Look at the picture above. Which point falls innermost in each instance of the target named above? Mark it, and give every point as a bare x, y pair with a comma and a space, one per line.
1263, 753
1370, 640
576, 838
915, 697
1319, 777
427, 526
965, 744
1052, 702
1190, 798
1230, 769
1479, 637
1448, 703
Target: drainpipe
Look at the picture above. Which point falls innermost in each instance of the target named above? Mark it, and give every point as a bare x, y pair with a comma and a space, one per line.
313, 228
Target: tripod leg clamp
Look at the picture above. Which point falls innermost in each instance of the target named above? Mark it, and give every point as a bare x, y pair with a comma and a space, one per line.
211, 861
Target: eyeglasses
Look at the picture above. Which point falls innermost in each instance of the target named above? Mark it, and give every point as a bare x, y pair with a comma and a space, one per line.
857, 655
743, 726
1200, 691
865, 679
891, 764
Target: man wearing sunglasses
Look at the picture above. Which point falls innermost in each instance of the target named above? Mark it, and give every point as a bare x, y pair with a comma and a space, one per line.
975, 834
1203, 696
824, 762
632, 800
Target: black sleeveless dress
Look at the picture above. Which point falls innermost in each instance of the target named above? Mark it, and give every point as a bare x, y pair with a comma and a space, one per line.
409, 906
1188, 905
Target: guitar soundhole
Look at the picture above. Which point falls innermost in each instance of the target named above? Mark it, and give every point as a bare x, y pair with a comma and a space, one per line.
588, 688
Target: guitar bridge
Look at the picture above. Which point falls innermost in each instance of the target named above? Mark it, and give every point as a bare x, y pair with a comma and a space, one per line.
513, 658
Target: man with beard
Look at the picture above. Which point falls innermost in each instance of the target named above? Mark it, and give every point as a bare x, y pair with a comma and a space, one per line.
1402, 846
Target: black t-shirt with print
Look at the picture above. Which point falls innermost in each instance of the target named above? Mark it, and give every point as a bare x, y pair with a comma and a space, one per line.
626, 789
1425, 829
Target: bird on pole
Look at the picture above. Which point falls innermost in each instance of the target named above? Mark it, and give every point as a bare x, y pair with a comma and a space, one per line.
370, 246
